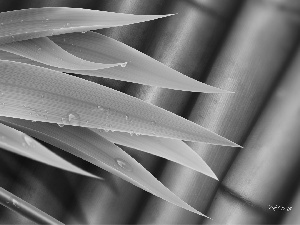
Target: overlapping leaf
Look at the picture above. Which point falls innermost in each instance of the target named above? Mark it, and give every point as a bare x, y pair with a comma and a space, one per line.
95, 47
35, 93
95, 149
31, 92
173, 150
19, 143
43, 50
41, 22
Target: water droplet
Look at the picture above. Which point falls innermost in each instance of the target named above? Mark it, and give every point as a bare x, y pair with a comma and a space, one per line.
28, 140
83, 32
15, 203
72, 118
123, 164
100, 107
126, 117
131, 133
33, 121
60, 125
123, 64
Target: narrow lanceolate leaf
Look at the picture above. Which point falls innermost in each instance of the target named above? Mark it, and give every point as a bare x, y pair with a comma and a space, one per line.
41, 22
95, 149
22, 207
95, 47
19, 143
140, 69
35, 93
45, 51
174, 150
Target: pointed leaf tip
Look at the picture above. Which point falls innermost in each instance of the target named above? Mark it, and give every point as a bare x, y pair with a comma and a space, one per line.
47, 21
170, 149
142, 69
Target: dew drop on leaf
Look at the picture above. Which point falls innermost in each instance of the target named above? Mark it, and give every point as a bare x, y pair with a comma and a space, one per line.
123, 164
123, 64
15, 203
28, 140
71, 118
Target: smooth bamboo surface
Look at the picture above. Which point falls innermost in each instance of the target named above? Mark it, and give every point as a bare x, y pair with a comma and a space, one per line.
259, 184
255, 54
293, 216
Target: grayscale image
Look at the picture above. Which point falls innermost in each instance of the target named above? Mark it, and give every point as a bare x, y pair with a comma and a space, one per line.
149, 112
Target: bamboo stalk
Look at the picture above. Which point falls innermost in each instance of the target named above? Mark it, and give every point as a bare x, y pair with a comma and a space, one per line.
265, 172
22, 207
250, 62
293, 216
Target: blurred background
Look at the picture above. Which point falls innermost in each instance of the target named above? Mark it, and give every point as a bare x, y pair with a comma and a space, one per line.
249, 47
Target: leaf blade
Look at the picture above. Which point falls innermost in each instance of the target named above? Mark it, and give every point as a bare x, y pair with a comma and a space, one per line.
22, 207
19, 143
140, 69
28, 93
174, 150
41, 22
45, 51
89, 146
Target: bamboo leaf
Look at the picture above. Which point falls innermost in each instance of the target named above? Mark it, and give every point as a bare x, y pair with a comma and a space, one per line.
45, 51
26, 24
173, 150
22, 207
140, 69
35, 93
19, 143
95, 149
